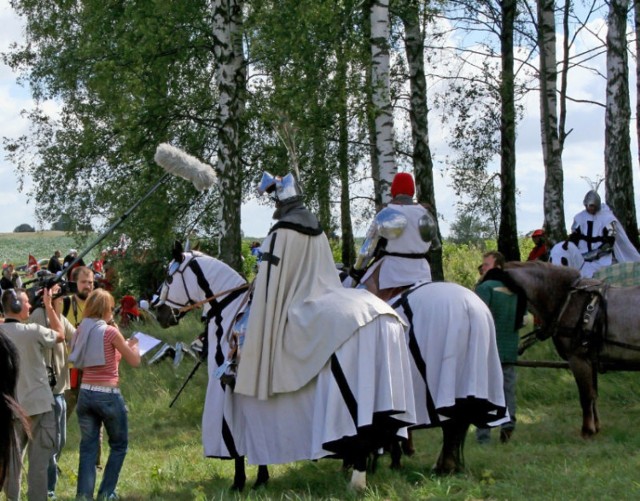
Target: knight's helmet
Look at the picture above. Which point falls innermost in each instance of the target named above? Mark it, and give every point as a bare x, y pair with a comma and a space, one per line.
282, 189
592, 198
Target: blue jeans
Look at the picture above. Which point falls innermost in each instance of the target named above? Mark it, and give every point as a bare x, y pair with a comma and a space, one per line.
95, 409
483, 435
60, 410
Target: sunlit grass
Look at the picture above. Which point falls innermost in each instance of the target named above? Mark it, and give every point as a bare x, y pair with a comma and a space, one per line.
547, 458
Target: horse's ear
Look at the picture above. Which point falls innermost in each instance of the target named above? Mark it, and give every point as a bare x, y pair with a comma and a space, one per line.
177, 251
187, 246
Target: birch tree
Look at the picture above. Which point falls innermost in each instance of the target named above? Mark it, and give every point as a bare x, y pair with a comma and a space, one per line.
381, 97
554, 221
409, 12
618, 165
230, 74
508, 230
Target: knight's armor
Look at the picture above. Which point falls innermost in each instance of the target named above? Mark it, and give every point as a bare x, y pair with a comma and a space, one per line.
388, 224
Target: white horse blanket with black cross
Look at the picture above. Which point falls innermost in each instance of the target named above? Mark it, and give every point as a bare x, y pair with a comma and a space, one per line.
455, 364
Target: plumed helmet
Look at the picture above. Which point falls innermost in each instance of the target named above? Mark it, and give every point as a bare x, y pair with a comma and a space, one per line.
403, 184
537, 233
281, 189
592, 198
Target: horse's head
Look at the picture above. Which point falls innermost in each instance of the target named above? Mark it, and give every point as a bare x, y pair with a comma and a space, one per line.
193, 279
174, 294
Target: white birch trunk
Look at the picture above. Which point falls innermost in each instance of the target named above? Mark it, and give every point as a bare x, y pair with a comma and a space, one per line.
385, 144
618, 165
554, 221
230, 75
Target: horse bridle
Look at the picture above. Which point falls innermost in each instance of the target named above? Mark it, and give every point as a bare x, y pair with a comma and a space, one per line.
176, 268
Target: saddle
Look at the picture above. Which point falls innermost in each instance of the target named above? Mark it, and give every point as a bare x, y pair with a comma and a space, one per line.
583, 317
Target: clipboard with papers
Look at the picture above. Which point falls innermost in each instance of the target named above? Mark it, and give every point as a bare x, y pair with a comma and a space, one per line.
145, 342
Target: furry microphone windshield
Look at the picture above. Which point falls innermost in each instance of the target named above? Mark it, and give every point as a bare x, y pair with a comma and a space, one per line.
177, 162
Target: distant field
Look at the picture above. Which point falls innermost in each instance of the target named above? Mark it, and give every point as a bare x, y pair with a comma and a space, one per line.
16, 247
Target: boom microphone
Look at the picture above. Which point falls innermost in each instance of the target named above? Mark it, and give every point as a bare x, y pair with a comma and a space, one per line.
173, 161
177, 162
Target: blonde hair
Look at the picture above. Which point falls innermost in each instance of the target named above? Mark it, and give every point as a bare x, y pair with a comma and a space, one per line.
99, 302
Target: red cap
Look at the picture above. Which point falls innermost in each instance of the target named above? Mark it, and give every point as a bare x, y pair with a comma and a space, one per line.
537, 233
403, 185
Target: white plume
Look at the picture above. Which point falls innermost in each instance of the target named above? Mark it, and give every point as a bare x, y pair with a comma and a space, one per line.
175, 161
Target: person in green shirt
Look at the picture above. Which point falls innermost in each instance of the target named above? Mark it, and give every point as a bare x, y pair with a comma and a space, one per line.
508, 307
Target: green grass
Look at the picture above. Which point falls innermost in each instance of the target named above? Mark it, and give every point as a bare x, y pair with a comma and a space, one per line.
16, 247
547, 458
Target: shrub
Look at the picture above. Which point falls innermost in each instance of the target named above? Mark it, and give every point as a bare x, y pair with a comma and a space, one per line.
24, 228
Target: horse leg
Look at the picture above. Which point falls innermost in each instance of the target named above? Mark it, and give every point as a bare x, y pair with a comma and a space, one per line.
395, 450
586, 379
239, 477
359, 474
451, 459
407, 445
263, 476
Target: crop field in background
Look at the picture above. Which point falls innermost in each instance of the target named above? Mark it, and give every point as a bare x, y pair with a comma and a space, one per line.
16, 247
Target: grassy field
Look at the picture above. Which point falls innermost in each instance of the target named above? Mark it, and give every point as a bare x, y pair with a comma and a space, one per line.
546, 459
16, 247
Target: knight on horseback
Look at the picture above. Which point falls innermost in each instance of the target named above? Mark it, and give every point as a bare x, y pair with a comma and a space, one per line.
394, 254
600, 237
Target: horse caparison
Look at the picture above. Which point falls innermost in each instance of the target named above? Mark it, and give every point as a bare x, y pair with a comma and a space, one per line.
445, 320
231, 417
593, 326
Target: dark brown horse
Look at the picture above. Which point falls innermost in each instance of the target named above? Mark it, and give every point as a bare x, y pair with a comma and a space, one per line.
594, 326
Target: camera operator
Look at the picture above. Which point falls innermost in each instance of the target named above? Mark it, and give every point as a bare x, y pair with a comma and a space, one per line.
33, 388
56, 358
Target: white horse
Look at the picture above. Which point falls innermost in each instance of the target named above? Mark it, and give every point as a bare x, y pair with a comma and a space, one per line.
457, 375
360, 399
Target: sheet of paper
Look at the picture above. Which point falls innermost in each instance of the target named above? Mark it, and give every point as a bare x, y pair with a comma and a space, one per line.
145, 342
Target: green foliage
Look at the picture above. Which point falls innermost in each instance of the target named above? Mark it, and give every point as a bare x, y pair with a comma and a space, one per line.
460, 263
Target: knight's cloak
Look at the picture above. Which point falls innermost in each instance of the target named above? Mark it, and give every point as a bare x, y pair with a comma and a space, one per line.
300, 313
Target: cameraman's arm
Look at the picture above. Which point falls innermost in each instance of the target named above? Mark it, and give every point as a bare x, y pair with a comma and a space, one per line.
54, 321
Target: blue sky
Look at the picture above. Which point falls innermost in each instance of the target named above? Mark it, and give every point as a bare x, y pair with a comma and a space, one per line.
583, 156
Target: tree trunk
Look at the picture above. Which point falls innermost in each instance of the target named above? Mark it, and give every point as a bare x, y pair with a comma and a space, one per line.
617, 143
322, 182
418, 114
636, 18
348, 242
383, 112
230, 77
508, 231
554, 222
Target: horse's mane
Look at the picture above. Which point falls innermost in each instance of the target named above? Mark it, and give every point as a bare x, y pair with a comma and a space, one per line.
545, 284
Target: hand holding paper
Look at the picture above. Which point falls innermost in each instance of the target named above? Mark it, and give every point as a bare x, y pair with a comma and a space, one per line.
145, 342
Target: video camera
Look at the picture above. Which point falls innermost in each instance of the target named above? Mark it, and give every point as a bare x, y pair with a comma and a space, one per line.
45, 280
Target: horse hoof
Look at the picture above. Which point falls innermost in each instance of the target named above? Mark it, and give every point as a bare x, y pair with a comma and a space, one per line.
237, 487
358, 481
260, 484
444, 470
505, 436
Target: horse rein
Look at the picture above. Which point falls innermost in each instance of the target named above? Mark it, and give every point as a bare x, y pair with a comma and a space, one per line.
189, 307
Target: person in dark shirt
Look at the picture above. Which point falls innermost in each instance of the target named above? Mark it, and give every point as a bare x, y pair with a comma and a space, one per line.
54, 265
